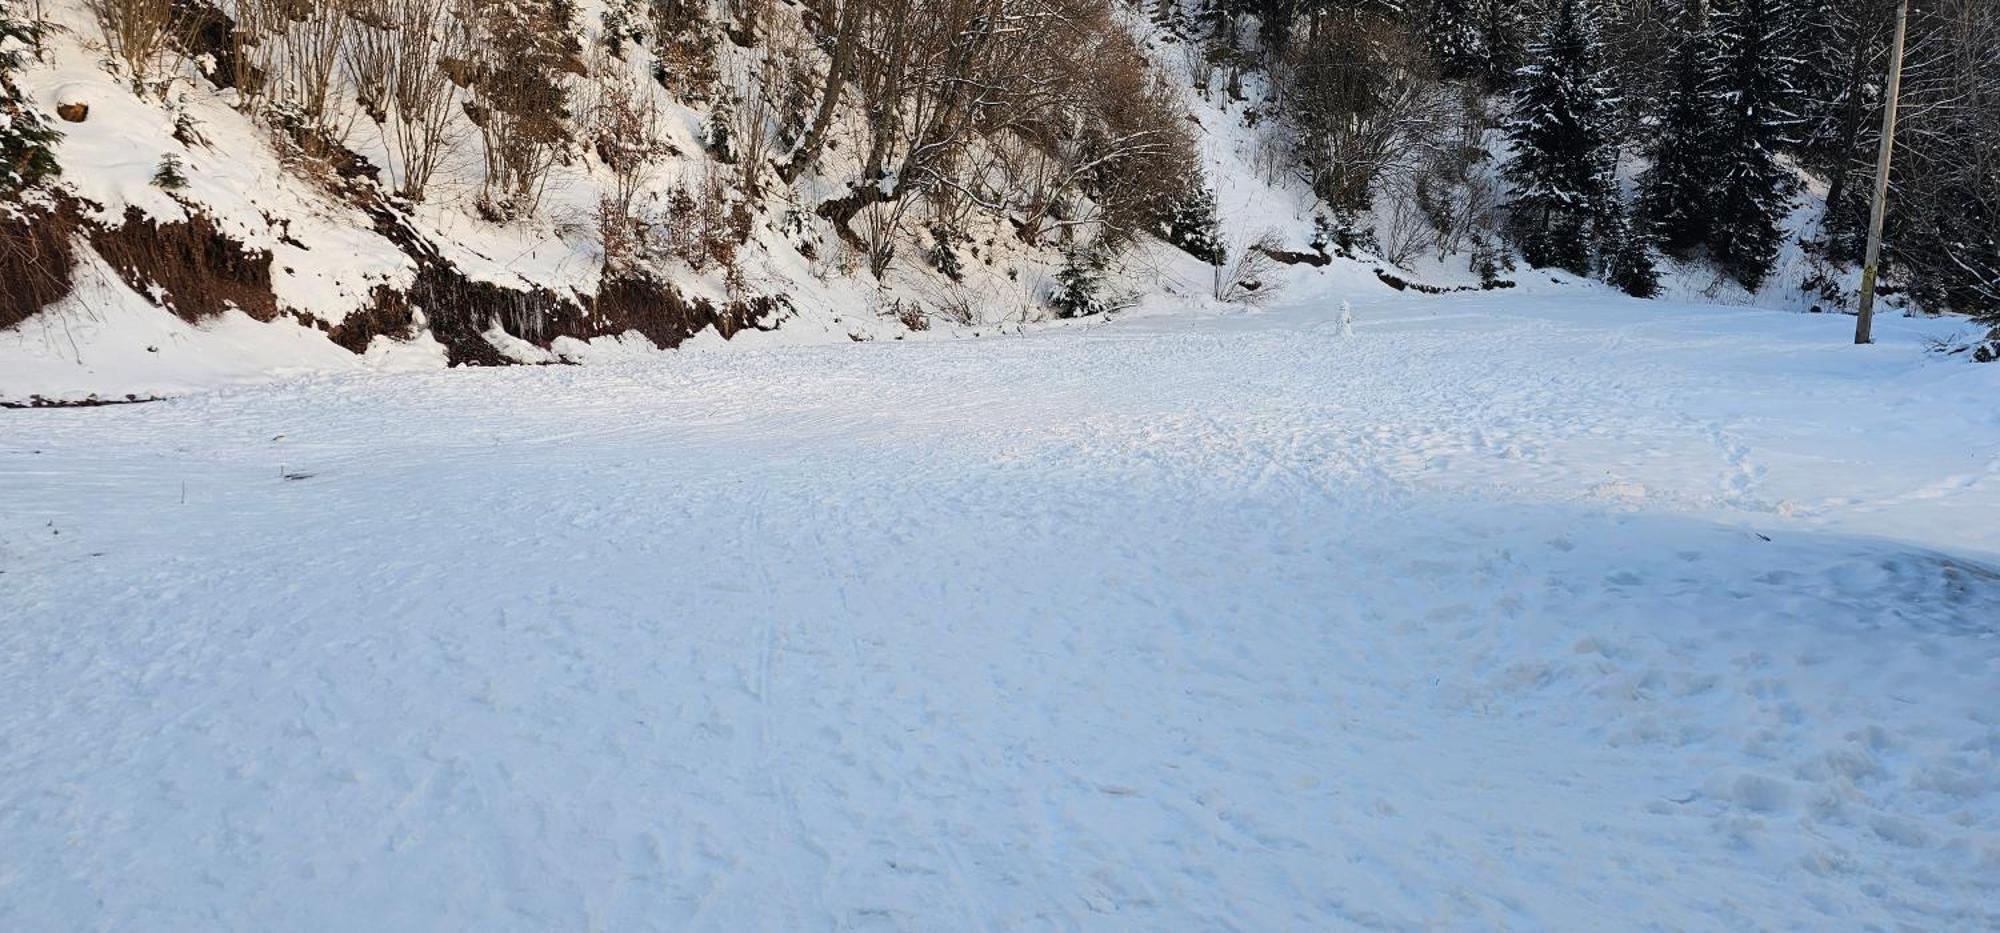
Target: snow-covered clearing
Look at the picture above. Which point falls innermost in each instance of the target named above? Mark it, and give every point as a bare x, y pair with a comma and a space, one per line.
1527, 611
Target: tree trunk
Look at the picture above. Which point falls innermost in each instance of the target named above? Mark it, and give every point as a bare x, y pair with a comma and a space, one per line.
846, 35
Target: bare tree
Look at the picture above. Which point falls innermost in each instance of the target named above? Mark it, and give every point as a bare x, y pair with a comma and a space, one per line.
844, 42
752, 124
138, 33
369, 53
258, 22
307, 67
1362, 109
1054, 88
412, 90
626, 136
524, 56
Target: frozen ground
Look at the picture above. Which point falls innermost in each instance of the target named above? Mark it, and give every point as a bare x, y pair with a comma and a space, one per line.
1566, 612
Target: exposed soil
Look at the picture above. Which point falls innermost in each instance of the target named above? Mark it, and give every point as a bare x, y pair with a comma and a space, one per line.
36, 260
196, 270
189, 267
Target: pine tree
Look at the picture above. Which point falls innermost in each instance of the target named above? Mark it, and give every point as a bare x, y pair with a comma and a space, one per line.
170, 175
1630, 263
1752, 194
1676, 193
1840, 110
26, 156
1501, 29
1079, 282
1640, 39
1452, 35
1565, 198
1190, 223
1814, 59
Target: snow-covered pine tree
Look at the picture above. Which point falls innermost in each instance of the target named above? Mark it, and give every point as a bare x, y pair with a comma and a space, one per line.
1819, 51
1640, 38
1753, 192
1079, 283
1629, 262
1676, 206
1190, 223
1944, 203
1452, 35
1502, 30
1565, 192
26, 158
1839, 132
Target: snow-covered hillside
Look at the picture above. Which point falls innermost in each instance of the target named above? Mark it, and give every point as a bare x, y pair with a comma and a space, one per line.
1552, 611
219, 222
328, 270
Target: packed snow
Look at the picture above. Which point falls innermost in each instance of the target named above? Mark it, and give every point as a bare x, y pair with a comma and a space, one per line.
1517, 610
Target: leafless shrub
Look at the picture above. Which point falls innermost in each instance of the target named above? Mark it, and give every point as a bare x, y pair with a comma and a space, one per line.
304, 84
748, 18
252, 43
1200, 66
1362, 108
625, 134
619, 233
523, 57
753, 119
1142, 151
423, 94
1245, 278
369, 54
1105, 141
138, 33
910, 314
789, 77
932, 78
880, 227
955, 305
1462, 208
1405, 230
1270, 157
1455, 184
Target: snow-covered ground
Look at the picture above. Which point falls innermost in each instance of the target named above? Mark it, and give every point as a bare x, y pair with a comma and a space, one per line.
1528, 611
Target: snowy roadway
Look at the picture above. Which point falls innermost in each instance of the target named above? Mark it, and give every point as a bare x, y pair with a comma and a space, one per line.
1573, 613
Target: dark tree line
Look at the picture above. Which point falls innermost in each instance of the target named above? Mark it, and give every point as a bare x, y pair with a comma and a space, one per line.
1726, 100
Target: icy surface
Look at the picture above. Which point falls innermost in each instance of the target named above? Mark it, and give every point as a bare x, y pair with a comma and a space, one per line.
1550, 612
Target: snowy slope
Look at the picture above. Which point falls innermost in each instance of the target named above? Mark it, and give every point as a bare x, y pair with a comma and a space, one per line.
328, 256
1554, 610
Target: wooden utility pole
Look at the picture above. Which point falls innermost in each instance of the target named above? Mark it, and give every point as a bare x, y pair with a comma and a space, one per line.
1864, 323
